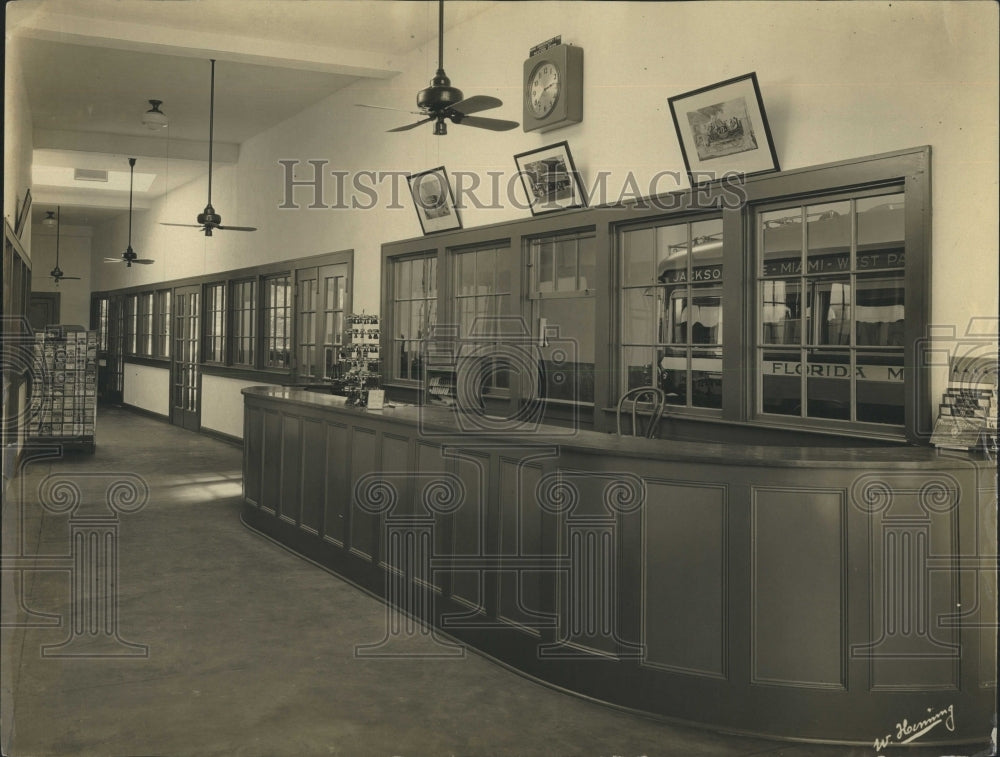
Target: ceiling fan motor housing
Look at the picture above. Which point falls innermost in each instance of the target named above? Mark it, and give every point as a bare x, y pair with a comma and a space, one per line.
440, 94
209, 217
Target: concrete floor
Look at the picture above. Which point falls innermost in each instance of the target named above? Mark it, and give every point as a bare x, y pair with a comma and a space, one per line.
249, 650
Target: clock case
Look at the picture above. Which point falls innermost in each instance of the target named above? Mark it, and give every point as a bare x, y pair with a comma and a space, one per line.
568, 59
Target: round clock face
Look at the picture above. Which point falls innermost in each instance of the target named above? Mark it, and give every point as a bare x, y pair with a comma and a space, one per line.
543, 89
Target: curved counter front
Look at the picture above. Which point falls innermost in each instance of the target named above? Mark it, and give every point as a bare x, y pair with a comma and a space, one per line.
818, 594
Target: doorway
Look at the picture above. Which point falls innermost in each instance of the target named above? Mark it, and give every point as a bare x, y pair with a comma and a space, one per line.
43, 309
185, 377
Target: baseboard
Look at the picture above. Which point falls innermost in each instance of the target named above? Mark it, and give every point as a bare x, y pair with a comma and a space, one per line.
235, 441
223, 437
143, 411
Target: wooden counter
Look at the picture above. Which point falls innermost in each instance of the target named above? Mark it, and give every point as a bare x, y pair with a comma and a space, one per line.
804, 593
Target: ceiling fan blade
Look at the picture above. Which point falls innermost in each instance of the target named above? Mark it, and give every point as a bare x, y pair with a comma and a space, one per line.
69, 278
114, 260
493, 124
397, 110
476, 103
144, 261
236, 228
412, 126
185, 225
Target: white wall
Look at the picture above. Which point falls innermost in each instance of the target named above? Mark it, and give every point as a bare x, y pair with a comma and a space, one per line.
17, 137
147, 387
222, 404
839, 80
74, 260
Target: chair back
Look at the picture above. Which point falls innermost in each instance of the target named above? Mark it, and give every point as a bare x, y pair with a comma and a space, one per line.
636, 395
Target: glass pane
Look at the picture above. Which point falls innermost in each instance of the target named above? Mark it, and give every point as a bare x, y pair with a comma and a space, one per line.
431, 279
828, 385
781, 242
706, 251
706, 378
637, 364
637, 315
880, 311
501, 264
879, 388
566, 265
828, 237
637, 256
485, 269
568, 359
466, 272
781, 383
672, 250
704, 316
829, 311
672, 374
588, 263
781, 311
881, 231
403, 279
544, 267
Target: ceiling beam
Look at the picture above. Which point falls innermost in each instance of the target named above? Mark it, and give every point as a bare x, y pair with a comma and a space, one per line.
76, 198
123, 35
121, 144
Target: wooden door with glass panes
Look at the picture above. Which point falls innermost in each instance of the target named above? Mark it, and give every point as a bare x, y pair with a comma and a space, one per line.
185, 395
322, 300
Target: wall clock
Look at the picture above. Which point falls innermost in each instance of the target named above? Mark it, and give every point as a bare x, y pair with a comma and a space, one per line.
553, 88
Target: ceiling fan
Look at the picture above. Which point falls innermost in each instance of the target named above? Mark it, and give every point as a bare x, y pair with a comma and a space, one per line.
57, 274
129, 257
442, 102
209, 219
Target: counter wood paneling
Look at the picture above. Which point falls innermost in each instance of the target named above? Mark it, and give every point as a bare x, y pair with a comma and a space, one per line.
803, 593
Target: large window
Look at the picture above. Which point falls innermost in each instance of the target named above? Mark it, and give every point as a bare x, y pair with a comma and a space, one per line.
243, 331
162, 328
563, 305
144, 325
482, 289
671, 310
277, 321
214, 349
831, 310
414, 308
102, 324
131, 323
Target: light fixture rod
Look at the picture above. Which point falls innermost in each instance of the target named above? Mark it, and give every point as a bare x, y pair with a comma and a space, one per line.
131, 173
441, 35
211, 130
57, 236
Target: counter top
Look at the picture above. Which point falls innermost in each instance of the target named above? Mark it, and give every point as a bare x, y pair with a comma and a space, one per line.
442, 423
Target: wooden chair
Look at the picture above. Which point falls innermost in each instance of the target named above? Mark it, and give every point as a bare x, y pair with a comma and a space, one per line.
656, 398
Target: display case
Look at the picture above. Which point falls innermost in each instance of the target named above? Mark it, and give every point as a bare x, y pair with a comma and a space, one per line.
358, 369
64, 387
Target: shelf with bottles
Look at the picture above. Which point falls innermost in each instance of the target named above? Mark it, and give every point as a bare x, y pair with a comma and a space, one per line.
359, 364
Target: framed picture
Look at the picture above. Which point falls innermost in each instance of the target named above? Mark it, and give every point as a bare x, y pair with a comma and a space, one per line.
550, 179
723, 129
434, 201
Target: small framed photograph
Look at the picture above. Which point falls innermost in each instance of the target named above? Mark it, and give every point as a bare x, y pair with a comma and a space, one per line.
550, 179
723, 129
434, 201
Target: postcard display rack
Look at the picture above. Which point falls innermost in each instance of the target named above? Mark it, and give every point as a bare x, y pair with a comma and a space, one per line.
359, 359
967, 415
64, 393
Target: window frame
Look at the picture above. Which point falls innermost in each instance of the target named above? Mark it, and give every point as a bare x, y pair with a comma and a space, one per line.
391, 363
908, 169
214, 345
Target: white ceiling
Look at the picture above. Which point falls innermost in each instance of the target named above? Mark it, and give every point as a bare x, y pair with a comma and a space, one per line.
90, 66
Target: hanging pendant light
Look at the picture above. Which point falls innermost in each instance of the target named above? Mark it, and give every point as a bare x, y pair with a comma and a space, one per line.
154, 119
